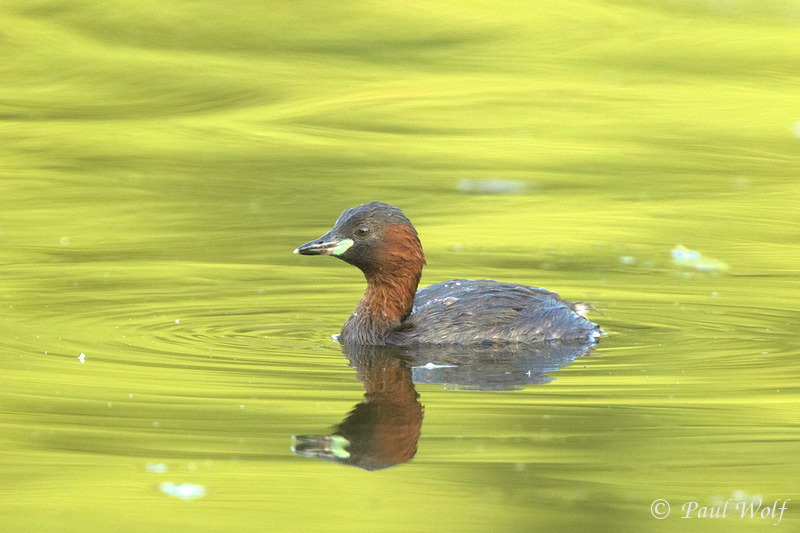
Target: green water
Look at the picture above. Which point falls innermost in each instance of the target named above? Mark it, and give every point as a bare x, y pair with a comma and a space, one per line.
160, 160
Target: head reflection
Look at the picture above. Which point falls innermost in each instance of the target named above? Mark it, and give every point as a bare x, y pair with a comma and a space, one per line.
382, 430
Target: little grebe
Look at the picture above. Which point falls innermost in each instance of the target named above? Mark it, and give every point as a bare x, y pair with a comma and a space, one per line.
382, 242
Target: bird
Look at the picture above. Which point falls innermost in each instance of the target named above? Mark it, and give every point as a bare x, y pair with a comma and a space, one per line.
382, 242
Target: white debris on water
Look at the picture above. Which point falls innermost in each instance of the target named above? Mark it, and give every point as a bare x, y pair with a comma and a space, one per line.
685, 258
156, 468
490, 186
184, 491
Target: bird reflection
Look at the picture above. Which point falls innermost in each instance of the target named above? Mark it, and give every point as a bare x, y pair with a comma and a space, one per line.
383, 430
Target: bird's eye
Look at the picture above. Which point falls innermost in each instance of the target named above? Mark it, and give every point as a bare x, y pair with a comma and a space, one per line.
362, 232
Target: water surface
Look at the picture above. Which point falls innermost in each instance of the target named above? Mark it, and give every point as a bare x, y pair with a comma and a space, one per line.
161, 161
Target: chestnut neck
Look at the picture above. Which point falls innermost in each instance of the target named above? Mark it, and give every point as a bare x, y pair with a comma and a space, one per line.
392, 280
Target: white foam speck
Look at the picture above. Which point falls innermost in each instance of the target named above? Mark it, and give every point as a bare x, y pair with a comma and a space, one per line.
432, 365
184, 491
156, 468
